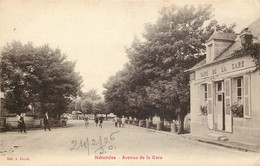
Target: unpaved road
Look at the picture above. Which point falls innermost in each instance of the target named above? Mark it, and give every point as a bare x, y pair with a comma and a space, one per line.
131, 145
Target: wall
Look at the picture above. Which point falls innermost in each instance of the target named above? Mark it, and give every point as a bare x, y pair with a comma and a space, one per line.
199, 123
30, 121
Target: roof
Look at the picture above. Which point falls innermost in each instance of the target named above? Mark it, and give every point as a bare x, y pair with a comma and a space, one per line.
255, 30
227, 53
200, 63
223, 36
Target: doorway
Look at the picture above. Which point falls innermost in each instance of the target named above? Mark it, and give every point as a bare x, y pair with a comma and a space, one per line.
219, 111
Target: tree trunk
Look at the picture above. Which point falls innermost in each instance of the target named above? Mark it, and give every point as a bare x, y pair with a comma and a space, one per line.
160, 126
151, 119
180, 123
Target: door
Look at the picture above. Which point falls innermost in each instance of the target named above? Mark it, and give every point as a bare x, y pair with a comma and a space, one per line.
219, 111
219, 107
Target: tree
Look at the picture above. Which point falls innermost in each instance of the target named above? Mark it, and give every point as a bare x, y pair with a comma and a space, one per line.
114, 95
13, 79
37, 75
176, 42
101, 108
89, 103
92, 95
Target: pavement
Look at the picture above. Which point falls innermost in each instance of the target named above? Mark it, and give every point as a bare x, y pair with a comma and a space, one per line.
78, 145
211, 140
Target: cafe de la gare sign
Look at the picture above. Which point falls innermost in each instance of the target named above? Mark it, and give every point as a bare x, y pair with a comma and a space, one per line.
222, 68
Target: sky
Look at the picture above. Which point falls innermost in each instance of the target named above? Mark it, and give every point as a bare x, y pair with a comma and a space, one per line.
96, 33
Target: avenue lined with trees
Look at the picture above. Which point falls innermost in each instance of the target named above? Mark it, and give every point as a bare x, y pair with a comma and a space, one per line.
154, 81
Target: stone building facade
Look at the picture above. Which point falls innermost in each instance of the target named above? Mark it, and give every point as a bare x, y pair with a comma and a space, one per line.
225, 87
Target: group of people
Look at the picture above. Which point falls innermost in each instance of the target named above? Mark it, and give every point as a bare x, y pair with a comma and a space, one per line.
100, 120
119, 122
22, 126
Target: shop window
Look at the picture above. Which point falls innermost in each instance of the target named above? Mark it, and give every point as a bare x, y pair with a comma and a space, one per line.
238, 98
203, 99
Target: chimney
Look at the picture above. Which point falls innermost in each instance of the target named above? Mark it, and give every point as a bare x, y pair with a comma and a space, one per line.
246, 37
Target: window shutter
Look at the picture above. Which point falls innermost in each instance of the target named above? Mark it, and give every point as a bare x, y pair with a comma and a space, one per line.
228, 113
199, 100
247, 93
210, 105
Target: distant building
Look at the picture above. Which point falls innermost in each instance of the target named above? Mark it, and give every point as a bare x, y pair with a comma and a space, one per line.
225, 88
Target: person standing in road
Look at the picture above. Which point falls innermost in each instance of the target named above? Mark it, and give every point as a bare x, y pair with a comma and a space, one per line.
86, 121
46, 121
116, 121
123, 121
96, 120
101, 119
19, 122
130, 120
120, 122
22, 123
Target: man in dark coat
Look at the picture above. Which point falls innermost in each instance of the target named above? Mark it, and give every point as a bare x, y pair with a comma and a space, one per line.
22, 123
96, 120
101, 119
46, 121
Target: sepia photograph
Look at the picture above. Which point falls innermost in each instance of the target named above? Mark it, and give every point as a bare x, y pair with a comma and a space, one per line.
130, 82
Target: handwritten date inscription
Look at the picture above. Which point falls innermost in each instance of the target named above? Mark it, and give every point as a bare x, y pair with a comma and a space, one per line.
99, 144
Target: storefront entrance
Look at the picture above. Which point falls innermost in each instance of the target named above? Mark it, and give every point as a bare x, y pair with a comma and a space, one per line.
218, 105
219, 111
220, 117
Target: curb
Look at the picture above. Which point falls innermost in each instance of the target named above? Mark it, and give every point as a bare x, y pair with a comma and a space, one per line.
223, 144
202, 140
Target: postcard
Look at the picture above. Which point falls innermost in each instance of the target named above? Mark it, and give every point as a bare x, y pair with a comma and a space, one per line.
130, 82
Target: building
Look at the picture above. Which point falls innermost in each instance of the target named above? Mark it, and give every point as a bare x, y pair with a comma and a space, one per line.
225, 87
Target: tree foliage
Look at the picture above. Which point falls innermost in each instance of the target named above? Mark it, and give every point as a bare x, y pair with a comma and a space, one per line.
88, 103
37, 76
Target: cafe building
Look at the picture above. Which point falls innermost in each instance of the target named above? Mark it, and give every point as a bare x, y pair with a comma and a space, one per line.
225, 87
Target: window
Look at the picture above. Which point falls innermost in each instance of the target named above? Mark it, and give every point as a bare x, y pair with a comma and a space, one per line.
205, 92
219, 86
239, 90
238, 97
